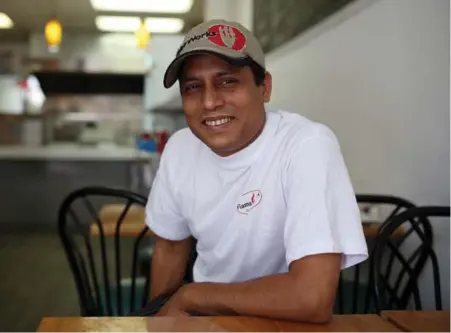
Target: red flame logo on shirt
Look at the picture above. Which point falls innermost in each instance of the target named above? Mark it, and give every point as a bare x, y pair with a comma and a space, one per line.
249, 201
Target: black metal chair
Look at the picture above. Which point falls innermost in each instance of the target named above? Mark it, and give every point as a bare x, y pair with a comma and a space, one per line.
396, 286
98, 272
354, 294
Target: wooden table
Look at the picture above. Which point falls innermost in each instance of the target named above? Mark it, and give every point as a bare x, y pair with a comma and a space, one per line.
132, 225
128, 229
370, 229
419, 321
339, 323
113, 211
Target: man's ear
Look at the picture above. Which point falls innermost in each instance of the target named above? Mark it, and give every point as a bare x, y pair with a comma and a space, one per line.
267, 87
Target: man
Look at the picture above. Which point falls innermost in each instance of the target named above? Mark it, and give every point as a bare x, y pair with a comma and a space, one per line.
266, 194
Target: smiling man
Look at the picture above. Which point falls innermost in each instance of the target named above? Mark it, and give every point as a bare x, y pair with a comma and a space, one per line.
266, 194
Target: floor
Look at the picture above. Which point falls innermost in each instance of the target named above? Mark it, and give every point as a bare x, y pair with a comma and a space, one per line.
35, 281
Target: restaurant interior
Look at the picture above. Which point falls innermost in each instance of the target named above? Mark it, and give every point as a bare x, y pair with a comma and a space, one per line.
84, 119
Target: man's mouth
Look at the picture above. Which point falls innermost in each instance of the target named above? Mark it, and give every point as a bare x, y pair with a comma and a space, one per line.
218, 122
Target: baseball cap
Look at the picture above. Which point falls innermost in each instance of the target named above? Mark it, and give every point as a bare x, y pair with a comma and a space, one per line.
228, 40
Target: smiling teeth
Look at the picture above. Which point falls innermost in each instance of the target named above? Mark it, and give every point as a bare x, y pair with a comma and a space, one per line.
218, 122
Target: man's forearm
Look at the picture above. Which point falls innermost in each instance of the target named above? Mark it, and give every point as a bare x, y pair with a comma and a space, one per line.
169, 261
270, 296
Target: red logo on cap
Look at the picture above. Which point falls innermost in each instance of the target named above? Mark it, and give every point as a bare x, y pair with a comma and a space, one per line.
227, 36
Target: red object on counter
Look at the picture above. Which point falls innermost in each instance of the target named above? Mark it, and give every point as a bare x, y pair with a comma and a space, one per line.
164, 136
145, 136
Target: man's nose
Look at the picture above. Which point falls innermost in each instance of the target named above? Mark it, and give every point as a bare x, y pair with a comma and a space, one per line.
212, 99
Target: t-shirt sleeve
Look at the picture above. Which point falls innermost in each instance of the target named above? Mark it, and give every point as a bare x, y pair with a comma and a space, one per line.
163, 213
322, 212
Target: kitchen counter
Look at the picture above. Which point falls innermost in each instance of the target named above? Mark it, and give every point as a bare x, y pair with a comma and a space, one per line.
74, 152
35, 180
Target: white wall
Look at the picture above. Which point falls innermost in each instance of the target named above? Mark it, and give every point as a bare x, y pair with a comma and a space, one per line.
162, 49
378, 75
232, 10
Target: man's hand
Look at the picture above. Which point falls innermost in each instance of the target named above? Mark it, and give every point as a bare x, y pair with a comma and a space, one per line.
175, 306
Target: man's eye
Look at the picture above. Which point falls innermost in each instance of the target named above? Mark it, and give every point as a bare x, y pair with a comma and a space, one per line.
228, 82
192, 87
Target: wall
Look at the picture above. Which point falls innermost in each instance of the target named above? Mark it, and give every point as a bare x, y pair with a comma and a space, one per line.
162, 50
377, 73
232, 10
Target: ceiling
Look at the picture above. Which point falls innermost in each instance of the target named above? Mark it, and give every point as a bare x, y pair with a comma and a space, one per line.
75, 16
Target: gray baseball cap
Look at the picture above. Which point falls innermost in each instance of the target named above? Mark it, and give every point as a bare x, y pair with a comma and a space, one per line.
229, 40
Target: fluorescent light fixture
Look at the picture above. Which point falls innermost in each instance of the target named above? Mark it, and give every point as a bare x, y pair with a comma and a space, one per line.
131, 24
117, 23
144, 6
5, 21
164, 25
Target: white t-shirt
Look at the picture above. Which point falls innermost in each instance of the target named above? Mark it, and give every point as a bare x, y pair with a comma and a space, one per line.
286, 196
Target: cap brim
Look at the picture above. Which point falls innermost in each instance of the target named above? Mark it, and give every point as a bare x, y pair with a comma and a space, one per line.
172, 72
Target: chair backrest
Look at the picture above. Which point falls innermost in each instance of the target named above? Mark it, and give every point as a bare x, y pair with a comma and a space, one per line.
396, 286
98, 262
354, 293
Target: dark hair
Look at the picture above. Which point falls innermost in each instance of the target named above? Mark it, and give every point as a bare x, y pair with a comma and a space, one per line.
258, 71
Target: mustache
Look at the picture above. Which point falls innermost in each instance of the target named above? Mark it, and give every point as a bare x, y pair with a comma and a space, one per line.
222, 113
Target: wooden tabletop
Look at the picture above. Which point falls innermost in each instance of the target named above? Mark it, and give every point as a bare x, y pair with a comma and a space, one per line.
131, 226
370, 229
126, 230
339, 323
113, 211
419, 321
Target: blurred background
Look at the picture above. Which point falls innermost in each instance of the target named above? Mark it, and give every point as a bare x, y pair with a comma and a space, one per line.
82, 103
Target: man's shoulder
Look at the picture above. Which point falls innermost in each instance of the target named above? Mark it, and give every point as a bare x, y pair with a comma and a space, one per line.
181, 142
298, 130
180, 152
181, 136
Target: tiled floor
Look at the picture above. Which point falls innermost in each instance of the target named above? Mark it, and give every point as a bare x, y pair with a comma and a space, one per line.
36, 281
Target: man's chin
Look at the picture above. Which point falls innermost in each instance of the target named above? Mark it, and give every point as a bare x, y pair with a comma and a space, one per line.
223, 149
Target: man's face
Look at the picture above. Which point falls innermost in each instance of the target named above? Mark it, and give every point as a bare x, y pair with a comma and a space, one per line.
223, 106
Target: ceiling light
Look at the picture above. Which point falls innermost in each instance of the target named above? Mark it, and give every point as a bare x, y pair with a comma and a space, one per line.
53, 34
144, 6
164, 25
5, 21
131, 24
117, 23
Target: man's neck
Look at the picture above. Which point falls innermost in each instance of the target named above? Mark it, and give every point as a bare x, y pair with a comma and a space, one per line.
253, 138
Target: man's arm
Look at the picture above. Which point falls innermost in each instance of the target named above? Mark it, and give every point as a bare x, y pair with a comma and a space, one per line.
306, 293
169, 262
